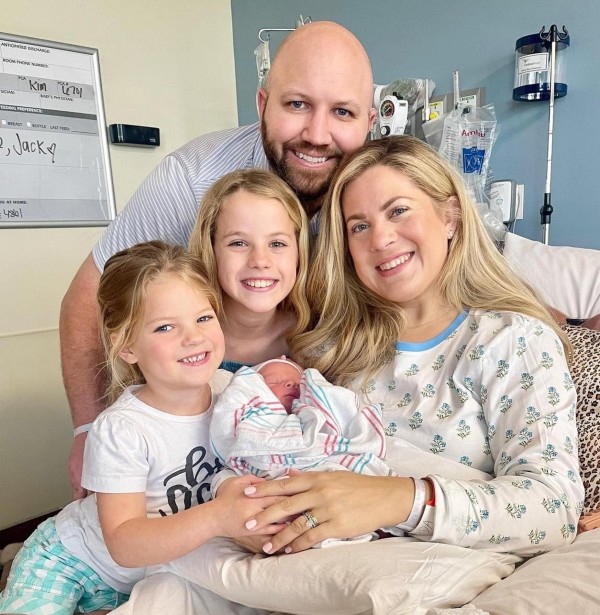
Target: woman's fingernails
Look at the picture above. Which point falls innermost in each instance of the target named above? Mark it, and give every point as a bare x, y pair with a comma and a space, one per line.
288, 550
268, 547
250, 490
250, 525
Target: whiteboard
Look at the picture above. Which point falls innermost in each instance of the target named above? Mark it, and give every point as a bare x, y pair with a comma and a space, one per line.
54, 160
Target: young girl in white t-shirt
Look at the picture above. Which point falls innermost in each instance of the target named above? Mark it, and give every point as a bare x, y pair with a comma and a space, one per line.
148, 455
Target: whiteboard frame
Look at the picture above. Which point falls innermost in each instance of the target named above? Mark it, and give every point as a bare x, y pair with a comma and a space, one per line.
102, 137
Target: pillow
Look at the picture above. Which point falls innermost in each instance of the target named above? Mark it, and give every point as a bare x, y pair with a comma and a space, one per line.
560, 581
566, 277
585, 371
393, 575
348, 578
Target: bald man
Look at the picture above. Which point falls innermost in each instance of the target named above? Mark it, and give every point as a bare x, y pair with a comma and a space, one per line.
316, 106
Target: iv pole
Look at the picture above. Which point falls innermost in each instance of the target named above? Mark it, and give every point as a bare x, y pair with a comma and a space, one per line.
553, 36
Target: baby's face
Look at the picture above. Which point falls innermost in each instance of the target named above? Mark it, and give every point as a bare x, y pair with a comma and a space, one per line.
284, 380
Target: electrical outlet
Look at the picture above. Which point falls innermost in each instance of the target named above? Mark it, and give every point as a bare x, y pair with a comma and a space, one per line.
520, 198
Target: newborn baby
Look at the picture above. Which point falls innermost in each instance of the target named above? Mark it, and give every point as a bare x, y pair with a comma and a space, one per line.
276, 416
283, 378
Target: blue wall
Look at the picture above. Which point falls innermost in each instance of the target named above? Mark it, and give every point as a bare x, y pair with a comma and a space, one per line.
412, 38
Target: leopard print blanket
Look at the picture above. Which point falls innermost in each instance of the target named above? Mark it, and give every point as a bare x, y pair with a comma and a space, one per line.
585, 371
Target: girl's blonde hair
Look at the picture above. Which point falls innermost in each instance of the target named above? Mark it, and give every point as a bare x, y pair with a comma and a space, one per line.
267, 185
355, 329
121, 296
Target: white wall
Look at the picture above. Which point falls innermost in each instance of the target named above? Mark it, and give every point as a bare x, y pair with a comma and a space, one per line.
165, 64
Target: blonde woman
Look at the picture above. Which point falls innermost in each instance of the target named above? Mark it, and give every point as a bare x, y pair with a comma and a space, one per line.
418, 311
252, 235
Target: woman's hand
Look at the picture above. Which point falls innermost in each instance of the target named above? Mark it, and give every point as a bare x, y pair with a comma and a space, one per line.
344, 504
254, 543
235, 508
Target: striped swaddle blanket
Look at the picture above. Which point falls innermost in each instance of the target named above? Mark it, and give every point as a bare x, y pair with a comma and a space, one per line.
251, 432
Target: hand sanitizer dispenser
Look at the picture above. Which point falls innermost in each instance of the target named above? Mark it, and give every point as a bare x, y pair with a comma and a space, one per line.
503, 194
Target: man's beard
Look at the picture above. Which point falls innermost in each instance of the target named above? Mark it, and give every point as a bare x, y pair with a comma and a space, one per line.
309, 185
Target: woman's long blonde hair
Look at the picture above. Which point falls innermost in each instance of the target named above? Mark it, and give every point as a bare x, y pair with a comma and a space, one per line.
121, 296
266, 185
355, 330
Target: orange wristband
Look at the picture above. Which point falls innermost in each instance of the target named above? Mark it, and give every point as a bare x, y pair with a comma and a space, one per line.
431, 502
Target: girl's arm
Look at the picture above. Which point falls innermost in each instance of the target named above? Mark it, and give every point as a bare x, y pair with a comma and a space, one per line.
134, 540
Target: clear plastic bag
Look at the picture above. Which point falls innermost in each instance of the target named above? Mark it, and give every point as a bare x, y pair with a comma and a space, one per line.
468, 136
263, 62
465, 137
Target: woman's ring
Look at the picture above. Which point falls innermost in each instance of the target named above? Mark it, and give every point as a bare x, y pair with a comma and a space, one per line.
311, 520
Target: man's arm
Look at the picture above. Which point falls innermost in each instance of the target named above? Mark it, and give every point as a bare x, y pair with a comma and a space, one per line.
593, 322
81, 359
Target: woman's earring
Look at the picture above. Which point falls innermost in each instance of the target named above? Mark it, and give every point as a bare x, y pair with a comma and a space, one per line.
450, 234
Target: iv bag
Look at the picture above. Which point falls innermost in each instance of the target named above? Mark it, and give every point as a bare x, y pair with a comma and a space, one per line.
465, 137
263, 62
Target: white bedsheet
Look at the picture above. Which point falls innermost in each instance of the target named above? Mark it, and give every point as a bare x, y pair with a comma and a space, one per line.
391, 576
561, 582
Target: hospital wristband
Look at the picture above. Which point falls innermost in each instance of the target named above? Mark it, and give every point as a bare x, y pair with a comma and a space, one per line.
81, 429
418, 507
